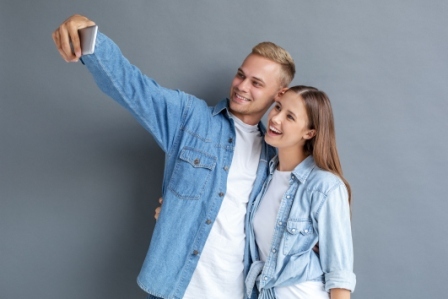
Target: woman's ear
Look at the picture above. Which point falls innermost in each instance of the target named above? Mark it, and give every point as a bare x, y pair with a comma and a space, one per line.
309, 134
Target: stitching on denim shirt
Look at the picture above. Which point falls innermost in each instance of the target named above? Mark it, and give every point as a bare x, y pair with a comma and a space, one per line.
338, 185
194, 134
176, 142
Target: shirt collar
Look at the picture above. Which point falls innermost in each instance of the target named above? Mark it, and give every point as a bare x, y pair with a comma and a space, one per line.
301, 171
224, 105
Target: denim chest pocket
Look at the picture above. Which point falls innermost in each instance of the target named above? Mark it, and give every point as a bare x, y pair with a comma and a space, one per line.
191, 173
298, 236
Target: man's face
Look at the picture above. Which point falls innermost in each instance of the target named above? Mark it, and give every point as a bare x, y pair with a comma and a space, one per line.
254, 88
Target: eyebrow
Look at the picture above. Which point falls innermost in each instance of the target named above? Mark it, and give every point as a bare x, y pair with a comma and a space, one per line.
289, 111
254, 78
292, 113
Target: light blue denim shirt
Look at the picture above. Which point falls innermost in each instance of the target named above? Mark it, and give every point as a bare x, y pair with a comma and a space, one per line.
199, 144
314, 209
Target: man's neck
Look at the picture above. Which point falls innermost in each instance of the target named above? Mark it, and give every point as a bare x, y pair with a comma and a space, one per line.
249, 119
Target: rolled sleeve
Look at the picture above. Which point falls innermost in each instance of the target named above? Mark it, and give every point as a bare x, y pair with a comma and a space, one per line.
335, 240
340, 280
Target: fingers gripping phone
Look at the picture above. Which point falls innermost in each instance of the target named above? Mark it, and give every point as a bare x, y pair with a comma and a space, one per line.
87, 37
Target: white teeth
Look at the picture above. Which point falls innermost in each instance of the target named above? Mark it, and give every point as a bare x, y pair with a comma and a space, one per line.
241, 98
274, 130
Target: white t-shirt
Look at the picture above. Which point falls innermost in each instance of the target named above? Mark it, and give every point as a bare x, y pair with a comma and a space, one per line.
219, 273
264, 219
264, 223
304, 290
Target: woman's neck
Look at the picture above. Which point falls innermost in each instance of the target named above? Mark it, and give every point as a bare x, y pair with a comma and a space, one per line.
289, 158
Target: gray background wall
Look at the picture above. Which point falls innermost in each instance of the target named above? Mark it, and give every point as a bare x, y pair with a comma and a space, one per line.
79, 178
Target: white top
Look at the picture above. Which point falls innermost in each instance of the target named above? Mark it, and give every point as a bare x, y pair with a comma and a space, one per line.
264, 223
219, 273
264, 219
304, 290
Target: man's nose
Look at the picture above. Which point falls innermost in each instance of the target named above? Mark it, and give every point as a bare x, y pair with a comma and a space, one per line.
243, 85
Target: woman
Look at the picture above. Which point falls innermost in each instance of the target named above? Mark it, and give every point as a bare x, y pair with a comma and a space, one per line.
304, 202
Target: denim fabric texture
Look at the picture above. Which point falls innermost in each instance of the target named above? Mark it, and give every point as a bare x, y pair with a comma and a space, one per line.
198, 141
314, 209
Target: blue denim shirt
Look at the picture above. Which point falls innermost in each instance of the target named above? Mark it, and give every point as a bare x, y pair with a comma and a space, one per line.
314, 209
199, 144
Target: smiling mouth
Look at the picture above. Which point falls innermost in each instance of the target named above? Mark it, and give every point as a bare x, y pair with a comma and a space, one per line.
274, 131
241, 98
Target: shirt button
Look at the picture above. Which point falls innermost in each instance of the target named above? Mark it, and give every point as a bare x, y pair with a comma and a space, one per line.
280, 223
195, 252
293, 230
196, 161
226, 168
221, 194
306, 231
230, 140
208, 221
274, 251
265, 278
288, 197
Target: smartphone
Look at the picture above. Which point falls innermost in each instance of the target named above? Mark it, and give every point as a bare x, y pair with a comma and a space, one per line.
87, 38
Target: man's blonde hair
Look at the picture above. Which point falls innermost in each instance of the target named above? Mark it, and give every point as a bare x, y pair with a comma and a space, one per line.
277, 54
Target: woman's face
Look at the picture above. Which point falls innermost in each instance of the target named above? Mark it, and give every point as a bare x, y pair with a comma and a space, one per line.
288, 122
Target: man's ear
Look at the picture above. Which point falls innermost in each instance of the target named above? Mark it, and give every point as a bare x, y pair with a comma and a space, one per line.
281, 92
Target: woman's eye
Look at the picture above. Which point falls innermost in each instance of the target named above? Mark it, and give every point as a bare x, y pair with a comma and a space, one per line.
290, 117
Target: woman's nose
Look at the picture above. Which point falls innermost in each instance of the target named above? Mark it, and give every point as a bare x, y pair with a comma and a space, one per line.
276, 118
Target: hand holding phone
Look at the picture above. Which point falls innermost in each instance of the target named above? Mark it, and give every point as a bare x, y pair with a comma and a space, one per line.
83, 39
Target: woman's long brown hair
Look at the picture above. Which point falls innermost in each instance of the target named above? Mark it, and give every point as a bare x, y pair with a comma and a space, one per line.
320, 118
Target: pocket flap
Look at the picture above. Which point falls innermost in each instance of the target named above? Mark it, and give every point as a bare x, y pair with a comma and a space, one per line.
294, 227
197, 158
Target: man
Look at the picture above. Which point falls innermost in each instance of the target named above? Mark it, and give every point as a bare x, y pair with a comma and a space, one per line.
216, 162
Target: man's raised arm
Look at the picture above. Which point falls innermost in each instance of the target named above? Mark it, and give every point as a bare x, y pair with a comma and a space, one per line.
159, 110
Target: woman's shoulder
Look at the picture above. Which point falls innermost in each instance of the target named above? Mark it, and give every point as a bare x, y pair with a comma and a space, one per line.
323, 181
